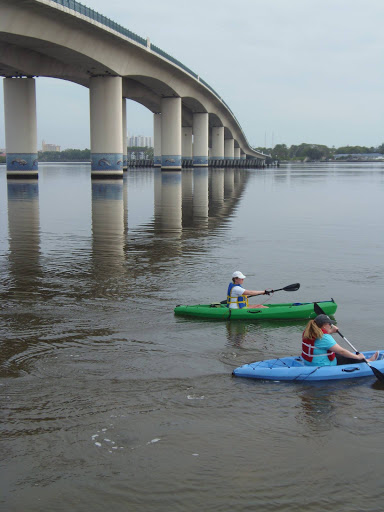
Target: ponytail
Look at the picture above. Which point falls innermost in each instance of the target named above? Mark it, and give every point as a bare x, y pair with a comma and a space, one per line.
312, 331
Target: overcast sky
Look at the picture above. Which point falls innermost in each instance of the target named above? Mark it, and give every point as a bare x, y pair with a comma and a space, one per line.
292, 71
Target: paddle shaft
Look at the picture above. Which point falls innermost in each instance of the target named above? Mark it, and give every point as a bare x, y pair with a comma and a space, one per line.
289, 288
349, 343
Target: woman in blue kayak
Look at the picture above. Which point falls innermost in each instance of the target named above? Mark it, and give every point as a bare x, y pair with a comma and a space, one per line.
320, 349
237, 296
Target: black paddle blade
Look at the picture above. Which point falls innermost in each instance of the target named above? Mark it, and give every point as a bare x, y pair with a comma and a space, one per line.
318, 309
379, 376
292, 287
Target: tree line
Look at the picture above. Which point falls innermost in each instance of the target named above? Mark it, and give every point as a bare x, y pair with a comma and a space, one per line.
67, 155
84, 155
316, 151
279, 152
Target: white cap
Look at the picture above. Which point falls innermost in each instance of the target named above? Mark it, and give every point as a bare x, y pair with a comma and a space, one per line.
238, 274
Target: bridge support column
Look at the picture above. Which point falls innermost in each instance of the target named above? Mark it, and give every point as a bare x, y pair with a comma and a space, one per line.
236, 153
186, 145
20, 127
243, 156
125, 156
105, 93
157, 140
229, 147
200, 139
171, 133
217, 152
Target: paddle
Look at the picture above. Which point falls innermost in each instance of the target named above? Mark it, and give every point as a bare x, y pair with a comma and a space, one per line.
290, 288
377, 373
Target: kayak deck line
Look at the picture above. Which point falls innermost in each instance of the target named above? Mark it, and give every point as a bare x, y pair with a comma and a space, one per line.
293, 369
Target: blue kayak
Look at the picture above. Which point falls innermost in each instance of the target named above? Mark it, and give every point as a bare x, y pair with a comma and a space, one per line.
294, 369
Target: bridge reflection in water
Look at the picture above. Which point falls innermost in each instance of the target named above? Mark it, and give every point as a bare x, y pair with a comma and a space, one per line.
24, 235
168, 202
187, 205
108, 235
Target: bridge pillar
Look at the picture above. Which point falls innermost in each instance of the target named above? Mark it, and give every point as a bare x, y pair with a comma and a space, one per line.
157, 140
217, 152
243, 156
105, 93
125, 156
229, 147
186, 144
200, 139
20, 127
236, 153
171, 133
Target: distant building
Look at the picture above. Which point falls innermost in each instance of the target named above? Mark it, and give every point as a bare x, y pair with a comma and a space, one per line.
139, 141
49, 147
2, 151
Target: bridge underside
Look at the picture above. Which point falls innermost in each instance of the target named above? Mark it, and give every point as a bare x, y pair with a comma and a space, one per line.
39, 39
48, 59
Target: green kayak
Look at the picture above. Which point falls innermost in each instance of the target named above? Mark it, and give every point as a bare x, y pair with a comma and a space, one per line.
288, 311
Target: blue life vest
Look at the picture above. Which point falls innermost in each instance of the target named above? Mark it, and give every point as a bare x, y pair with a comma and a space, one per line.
241, 300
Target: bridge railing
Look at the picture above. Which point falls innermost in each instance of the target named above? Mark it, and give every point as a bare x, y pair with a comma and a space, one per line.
159, 51
96, 16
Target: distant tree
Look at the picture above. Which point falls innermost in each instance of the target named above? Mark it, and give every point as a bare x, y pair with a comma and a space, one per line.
68, 155
349, 150
292, 151
280, 152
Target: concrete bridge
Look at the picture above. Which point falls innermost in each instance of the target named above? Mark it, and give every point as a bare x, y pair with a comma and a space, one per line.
64, 39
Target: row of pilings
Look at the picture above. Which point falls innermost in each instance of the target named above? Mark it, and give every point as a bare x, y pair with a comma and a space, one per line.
186, 163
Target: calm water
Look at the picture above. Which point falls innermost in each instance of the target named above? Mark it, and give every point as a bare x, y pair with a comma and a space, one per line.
112, 403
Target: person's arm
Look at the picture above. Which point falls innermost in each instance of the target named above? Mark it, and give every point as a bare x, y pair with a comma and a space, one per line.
252, 293
344, 352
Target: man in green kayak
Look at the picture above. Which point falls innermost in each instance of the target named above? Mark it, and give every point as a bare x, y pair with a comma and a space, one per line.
237, 296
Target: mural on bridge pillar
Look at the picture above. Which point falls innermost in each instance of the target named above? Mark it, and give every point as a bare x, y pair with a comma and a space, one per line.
200, 161
107, 161
170, 161
22, 162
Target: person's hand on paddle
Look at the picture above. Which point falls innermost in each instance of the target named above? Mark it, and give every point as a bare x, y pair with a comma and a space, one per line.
268, 292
